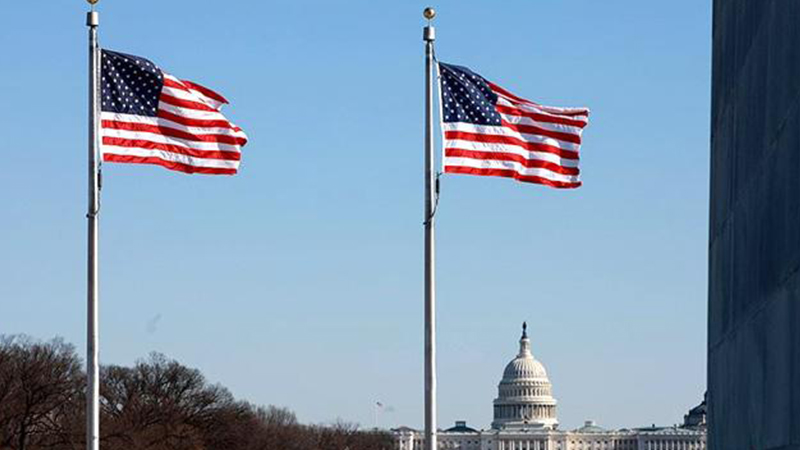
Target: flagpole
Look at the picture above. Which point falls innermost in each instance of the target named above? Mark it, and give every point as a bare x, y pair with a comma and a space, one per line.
429, 35
92, 352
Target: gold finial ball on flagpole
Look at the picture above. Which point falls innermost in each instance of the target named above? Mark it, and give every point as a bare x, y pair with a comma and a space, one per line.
429, 13
92, 2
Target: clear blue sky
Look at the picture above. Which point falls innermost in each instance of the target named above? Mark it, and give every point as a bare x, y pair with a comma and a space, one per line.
299, 281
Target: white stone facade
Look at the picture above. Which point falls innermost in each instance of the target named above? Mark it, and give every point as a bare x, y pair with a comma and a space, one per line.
525, 419
524, 395
672, 438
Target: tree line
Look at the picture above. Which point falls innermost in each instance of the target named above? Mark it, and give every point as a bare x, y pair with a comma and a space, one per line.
157, 404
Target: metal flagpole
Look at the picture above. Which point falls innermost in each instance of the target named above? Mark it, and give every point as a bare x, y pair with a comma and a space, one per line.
429, 35
92, 353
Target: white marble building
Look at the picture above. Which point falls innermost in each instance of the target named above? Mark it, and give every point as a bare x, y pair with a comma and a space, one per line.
525, 419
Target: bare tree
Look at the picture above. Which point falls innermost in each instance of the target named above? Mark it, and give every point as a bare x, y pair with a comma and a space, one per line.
157, 404
40, 384
160, 403
274, 416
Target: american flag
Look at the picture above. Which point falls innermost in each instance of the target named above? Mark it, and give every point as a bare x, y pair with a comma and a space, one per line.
151, 117
490, 131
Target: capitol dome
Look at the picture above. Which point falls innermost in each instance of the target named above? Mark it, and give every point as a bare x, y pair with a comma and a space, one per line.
524, 397
524, 367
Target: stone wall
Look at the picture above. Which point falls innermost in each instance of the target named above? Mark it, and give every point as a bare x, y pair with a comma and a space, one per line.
754, 242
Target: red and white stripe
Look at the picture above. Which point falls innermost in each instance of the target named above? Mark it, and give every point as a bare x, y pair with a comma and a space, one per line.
534, 143
189, 134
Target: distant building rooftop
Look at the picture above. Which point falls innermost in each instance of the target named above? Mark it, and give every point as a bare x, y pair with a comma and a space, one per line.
591, 427
461, 427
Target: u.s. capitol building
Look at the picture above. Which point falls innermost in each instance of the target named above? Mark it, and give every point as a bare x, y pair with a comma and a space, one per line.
525, 419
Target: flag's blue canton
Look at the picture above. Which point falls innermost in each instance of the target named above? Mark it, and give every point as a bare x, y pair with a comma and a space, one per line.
467, 97
130, 84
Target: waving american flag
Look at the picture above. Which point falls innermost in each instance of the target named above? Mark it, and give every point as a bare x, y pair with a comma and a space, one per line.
151, 117
490, 131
